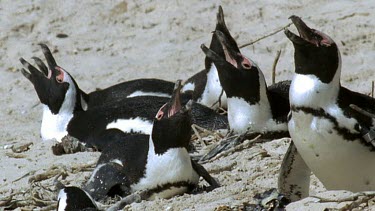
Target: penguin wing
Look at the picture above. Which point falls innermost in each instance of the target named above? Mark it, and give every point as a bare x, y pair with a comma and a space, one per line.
365, 122
121, 164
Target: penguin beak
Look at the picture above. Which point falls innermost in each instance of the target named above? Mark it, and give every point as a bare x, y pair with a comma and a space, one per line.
175, 103
48, 82
307, 35
231, 52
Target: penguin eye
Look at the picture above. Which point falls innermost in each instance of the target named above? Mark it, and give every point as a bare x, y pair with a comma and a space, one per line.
159, 115
60, 76
246, 66
59, 79
246, 63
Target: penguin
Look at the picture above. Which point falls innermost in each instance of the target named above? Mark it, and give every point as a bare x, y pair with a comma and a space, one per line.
62, 98
158, 163
252, 106
67, 110
328, 138
74, 198
205, 86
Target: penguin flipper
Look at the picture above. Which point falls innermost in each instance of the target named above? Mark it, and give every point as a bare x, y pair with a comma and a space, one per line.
294, 177
108, 179
201, 171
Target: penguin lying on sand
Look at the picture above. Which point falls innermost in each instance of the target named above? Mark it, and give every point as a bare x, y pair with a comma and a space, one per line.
249, 98
69, 111
159, 164
328, 137
253, 108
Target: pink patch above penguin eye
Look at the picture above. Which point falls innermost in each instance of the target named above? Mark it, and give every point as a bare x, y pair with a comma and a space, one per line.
60, 76
160, 113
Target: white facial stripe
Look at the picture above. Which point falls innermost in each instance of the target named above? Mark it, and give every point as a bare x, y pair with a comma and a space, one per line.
55, 126
213, 90
137, 124
61, 198
188, 87
141, 93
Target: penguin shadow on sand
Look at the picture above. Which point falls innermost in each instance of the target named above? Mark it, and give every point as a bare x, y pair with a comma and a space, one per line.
156, 165
253, 108
332, 128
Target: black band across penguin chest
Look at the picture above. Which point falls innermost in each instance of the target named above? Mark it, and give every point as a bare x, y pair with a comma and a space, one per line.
344, 132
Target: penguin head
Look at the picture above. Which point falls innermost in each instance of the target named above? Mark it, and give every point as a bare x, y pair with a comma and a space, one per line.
172, 124
315, 52
52, 83
239, 76
74, 198
215, 44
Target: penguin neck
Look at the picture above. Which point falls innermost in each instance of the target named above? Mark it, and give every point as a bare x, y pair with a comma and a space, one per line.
308, 90
213, 89
154, 148
54, 126
253, 116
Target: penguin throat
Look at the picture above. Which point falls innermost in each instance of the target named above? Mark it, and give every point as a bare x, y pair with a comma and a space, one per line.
243, 116
308, 90
54, 126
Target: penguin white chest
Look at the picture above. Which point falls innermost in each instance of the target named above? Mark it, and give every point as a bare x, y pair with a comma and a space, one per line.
171, 167
54, 125
337, 162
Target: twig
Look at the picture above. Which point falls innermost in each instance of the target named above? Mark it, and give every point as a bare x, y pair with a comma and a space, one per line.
46, 175
27, 174
265, 36
218, 100
193, 126
135, 197
274, 66
208, 131
361, 111
242, 146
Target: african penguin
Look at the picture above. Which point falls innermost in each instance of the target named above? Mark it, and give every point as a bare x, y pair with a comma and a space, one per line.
205, 85
252, 107
159, 164
328, 137
68, 110
62, 98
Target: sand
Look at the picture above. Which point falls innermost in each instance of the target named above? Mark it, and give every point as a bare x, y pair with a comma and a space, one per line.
113, 41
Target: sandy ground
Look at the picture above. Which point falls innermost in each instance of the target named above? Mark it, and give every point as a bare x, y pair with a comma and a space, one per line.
113, 41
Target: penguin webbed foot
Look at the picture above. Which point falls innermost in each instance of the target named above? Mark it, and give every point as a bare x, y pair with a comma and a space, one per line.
70, 145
